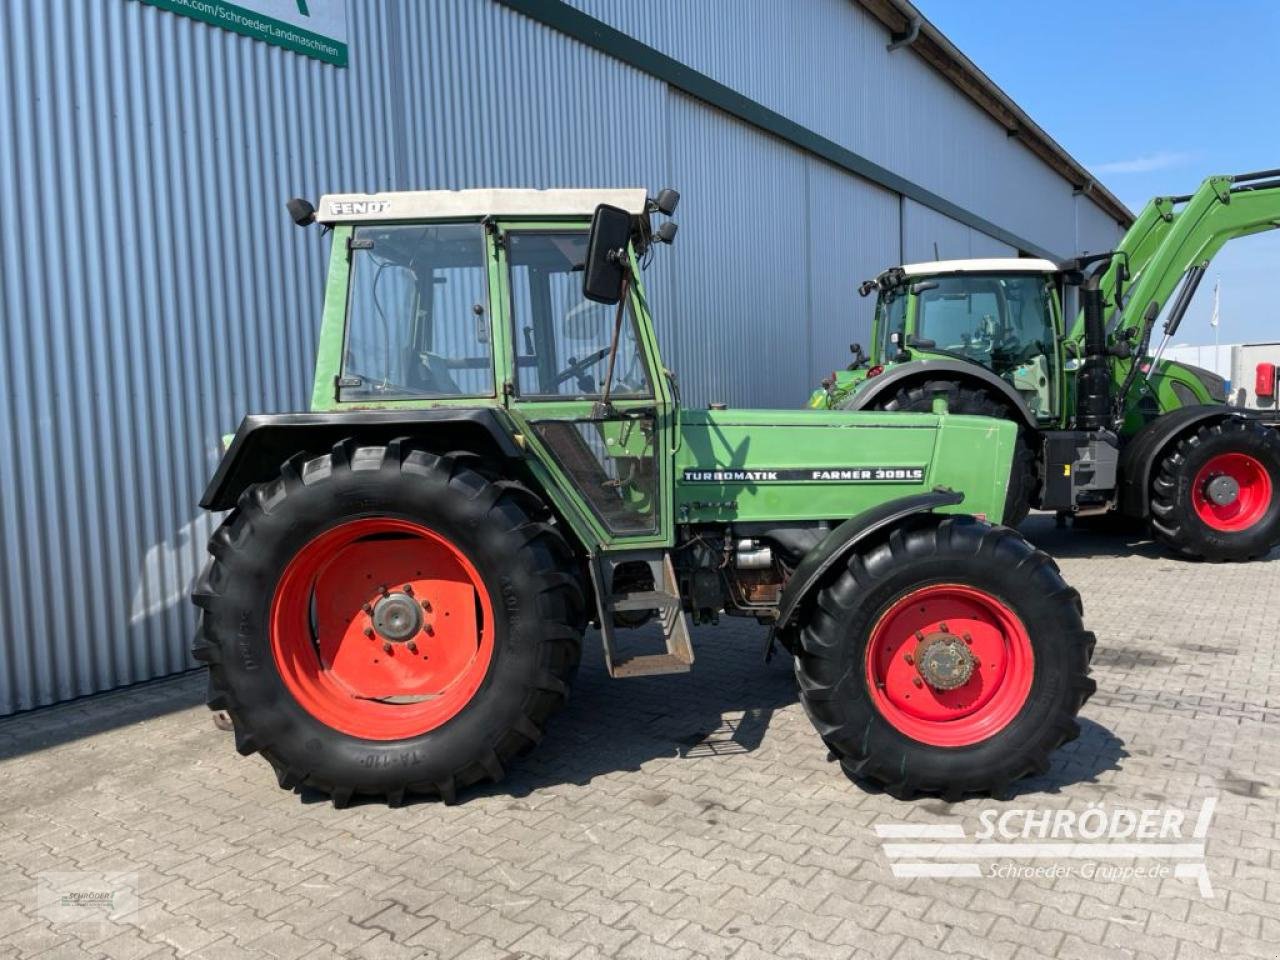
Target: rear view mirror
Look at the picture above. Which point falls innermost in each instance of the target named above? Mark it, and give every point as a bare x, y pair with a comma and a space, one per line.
606, 262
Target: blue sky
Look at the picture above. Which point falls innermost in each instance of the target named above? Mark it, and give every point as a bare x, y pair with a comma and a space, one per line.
1152, 97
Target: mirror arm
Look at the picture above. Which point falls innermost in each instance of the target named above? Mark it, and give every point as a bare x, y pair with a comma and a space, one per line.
603, 407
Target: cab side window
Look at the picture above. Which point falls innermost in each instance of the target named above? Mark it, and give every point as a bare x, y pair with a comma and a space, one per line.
562, 340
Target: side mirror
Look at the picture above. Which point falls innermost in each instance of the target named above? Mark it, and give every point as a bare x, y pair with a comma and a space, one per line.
301, 211
667, 201
923, 343
606, 264
666, 233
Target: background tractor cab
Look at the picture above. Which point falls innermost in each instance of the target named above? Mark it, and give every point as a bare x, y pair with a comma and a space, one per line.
1002, 314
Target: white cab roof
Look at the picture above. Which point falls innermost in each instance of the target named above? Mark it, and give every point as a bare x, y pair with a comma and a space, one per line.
467, 204
990, 265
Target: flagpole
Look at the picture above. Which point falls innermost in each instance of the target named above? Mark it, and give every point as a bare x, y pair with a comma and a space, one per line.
1213, 321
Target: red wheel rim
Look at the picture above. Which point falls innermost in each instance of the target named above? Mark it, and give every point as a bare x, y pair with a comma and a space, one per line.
949, 624
382, 629
1252, 492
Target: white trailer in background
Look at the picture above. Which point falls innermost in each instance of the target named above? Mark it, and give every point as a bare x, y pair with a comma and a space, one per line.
1254, 370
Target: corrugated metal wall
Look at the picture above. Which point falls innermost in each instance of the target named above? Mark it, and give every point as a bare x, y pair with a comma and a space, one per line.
153, 291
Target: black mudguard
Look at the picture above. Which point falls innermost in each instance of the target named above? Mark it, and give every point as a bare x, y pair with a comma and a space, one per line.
957, 371
1141, 454
845, 538
264, 442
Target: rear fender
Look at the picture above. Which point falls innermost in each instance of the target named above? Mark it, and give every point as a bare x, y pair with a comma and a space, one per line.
901, 375
263, 443
844, 539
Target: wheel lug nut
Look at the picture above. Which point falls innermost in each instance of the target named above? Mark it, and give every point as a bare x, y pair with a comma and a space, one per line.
968, 638
943, 627
429, 630
413, 647
384, 590
386, 647
426, 605
919, 634
909, 658
367, 607
917, 681
368, 631
408, 589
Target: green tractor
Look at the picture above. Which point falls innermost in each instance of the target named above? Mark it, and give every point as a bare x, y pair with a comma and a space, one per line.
1104, 425
496, 458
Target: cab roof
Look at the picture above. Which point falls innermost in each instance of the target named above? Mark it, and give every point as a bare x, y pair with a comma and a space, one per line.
988, 265
474, 204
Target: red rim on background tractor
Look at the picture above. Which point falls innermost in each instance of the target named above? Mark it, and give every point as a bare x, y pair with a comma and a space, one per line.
382, 629
1247, 479
949, 665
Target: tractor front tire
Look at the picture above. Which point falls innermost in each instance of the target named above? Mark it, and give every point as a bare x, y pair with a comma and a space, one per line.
948, 659
968, 400
382, 621
1216, 492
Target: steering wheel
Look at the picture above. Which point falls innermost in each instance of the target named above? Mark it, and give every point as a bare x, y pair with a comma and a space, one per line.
577, 368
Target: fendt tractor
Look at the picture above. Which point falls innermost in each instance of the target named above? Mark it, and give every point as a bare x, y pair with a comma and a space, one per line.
496, 457
1104, 425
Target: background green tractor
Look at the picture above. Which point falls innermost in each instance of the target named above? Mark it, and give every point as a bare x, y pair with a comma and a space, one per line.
1104, 425
496, 458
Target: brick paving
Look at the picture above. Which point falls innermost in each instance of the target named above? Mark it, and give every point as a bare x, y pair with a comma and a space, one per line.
691, 816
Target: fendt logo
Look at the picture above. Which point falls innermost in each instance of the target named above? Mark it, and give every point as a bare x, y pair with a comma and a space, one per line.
357, 208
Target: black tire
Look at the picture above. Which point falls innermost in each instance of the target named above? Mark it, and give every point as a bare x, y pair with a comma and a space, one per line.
1174, 520
834, 683
961, 399
503, 530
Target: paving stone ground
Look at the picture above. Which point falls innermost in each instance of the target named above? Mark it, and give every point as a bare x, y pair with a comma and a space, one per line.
691, 816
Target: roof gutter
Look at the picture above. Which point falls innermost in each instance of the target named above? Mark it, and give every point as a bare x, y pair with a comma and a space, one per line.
907, 26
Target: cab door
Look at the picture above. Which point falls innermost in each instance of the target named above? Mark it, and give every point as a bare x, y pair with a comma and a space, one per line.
608, 465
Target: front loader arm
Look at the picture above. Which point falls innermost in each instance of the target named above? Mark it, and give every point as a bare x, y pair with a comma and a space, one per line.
1222, 209
1134, 251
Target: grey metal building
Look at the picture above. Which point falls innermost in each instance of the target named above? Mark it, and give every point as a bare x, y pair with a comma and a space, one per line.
153, 290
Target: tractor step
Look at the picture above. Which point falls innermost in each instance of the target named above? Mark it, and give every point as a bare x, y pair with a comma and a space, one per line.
664, 601
650, 665
643, 600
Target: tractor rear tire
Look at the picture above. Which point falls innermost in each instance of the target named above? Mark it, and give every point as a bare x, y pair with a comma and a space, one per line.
1245, 456
968, 400
382, 621
905, 611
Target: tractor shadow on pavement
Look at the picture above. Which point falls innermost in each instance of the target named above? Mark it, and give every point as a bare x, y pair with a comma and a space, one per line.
1106, 536
723, 706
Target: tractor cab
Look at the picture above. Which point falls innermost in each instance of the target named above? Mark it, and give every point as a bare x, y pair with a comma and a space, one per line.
1002, 314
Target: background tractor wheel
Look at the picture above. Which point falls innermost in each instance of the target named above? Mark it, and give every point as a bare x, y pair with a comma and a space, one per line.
960, 399
949, 659
1216, 493
381, 621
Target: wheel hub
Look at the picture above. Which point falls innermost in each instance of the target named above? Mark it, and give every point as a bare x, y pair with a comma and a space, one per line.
944, 661
397, 617
1222, 490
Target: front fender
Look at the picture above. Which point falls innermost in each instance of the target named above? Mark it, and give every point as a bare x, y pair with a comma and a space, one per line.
841, 541
1141, 454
